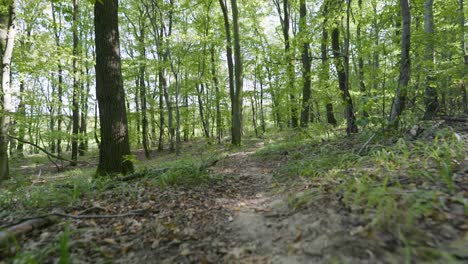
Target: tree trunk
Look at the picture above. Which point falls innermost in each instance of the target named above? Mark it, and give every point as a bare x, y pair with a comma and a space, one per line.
362, 85
238, 68
465, 57
162, 81
57, 34
430, 98
289, 57
219, 120
205, 124
115, 145
325, 74
84, 114
142, 86
399, 103
351, 126
236, 118
22, 114
306, 66
7, 41
76, 87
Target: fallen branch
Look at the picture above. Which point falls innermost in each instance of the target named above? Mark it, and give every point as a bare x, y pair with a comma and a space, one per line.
10, 235
40, 148
133, 213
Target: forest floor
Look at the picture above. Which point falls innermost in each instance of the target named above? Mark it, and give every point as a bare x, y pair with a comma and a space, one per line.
289, 198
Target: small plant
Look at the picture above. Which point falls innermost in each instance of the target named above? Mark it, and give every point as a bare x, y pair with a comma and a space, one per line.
64, 244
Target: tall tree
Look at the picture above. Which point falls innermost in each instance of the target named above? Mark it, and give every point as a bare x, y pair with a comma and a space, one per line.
115, 144
236, 110
430, 98
238, 69
325, 69
7, 41
399, 103
285, 19
464, 71
306, 67
76, 86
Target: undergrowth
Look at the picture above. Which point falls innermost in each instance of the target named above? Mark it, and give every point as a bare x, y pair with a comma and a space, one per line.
395, 186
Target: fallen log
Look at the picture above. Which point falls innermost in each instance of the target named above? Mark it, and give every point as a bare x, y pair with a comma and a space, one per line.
10, 235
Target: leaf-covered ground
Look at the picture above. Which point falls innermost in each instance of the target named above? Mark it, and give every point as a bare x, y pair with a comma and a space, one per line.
291, 198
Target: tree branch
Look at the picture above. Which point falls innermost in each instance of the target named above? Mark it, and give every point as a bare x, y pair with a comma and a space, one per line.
40, 148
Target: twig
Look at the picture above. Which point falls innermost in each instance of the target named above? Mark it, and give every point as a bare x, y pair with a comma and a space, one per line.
133, 213
367, 143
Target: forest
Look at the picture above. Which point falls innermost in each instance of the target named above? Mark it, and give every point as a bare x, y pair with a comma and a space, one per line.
233, 131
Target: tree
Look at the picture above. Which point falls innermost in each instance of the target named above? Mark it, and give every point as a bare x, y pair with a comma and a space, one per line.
399, 103
76, 86
115, 144
306, 66
7, 42
430, 99
235, 74
465, 56
237, 102
285, 19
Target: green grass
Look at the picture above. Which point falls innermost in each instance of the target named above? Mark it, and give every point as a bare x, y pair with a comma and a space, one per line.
395, 186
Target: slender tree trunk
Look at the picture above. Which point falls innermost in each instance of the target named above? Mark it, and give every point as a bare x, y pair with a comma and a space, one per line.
115, 145
306, 66
325, 74
200, 92
76, 87
465, 56
162, 81
362, 85
430, 98
262, 112
399, 103
22, 114
7, 41
289, 57
84, 114
238, 69
236, 118
351, 126
219, 121
142, 86
137, 108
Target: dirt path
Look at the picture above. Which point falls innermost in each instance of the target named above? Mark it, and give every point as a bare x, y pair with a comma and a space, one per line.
267, 229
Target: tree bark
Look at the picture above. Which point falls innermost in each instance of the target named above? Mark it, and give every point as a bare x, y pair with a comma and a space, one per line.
236, 130
238, 69
362, 84
219, 120
325, 71
115, 144
430, 99
351, 126
57, 34
399, 103
465, 56
7, 41
306, 66
142, 88
76, 86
